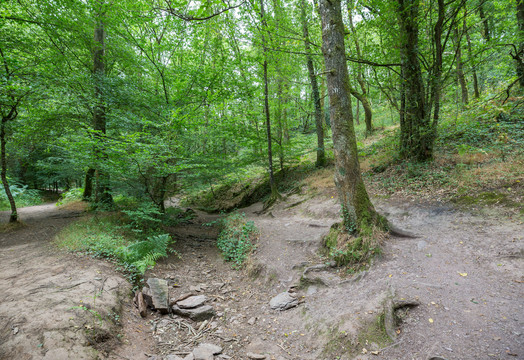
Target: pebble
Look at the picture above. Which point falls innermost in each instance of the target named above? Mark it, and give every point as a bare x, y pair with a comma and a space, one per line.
255, 356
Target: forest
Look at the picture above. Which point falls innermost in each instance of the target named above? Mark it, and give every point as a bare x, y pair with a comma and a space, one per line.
139, 113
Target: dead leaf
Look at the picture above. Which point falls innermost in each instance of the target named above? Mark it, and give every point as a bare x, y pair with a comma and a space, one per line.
463, 274
430, 320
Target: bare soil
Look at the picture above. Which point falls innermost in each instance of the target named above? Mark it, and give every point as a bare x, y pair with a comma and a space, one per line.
465, 269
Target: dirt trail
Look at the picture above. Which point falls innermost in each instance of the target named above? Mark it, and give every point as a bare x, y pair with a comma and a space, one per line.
40, 286
465, 270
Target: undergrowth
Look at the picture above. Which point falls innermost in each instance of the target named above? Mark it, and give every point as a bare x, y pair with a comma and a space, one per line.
134, 239
22, 195
236, 238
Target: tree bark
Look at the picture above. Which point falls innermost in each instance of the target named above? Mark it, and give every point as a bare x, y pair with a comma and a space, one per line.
519, 57
14, 214
476, 91
321, 156
362, 96
459, 67
274, 191
103, 191
485, 26
358, 211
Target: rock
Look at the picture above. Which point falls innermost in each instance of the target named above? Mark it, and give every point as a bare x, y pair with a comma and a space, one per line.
195, 288
252, 321
283, 301
255, 356
311, 290
173, 357
147, 295
189, 357
159, 294
192, 302
200, 313
206, 351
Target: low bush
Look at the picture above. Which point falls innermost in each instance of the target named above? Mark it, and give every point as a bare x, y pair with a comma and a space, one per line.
237, 238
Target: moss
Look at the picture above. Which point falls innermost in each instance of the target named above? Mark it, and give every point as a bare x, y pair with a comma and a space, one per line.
338, 343
487, 198
374, 333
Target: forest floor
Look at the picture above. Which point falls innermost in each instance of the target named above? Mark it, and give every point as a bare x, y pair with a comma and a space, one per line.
465, 269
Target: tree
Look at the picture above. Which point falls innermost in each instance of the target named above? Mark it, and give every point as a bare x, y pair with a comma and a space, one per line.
358, 211
321, 156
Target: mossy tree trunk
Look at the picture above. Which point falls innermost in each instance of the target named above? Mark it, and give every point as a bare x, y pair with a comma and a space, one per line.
358, 211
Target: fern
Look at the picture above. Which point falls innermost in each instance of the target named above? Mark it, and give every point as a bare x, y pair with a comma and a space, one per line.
144, 254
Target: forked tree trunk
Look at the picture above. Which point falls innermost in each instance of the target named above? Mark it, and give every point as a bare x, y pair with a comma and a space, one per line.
358, 211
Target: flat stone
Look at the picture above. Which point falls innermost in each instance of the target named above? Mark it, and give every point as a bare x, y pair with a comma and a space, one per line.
200, 313
159, 294
206, 351
255, 356
283, 301
252, 321
173, 357
192, 302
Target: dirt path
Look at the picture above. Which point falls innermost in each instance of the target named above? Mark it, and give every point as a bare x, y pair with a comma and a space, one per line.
465, 270
40, 286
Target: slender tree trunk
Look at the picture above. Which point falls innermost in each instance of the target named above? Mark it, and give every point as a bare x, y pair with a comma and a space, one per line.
459, 67
485, 26
14, 214
362, 96
357, 113
321, 156
103, 191
358, 211
274, 191
476, 91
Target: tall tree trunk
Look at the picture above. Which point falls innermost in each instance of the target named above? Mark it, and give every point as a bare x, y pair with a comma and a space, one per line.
321, 156
476, 91
418, 131
88, 188
103, 192
485, 25
14, 214
459, 67
519, 57
274, 190
358, 211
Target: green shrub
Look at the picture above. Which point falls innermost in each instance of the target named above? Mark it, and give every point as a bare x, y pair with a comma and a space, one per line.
70, 196
236, 238
100, 237
22, 195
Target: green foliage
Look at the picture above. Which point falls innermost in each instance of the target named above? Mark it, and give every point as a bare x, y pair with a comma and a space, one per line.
22, 195
145, 218
102, 237
70, 196
236, 238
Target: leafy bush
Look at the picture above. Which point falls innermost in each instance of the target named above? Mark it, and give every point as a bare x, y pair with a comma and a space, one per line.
100, 237
145, 218
236, 238
70, 196
22, 195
